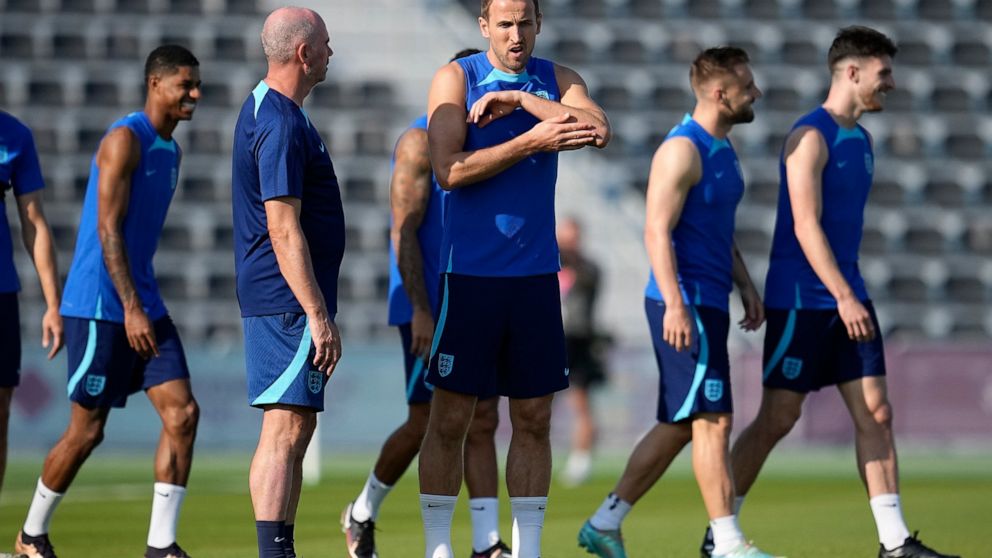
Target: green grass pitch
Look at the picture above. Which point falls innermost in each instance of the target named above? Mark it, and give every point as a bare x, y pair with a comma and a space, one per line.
804, 506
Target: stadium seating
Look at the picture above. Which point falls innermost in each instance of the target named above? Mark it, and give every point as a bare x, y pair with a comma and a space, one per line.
71, 66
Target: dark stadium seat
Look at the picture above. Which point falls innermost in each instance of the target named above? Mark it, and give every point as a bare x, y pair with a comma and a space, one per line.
762, 9
924, 238
667, 97
376, 94
216, 94
614, 97
78, 6
16, 44
783, 98
69, 46
963, 143
242, 7
328, 95
134, 6
208, 141
629, 50
572, 50
820, 9
971, 52
967, 288
886, 193
940, 10
123, 44
801, 51
230, 48
101, 93
945, 192
184, 7
359, 188
23, 6
908, 289
951, 98
45, 92
684, 48
170, 283
372, 141
915, 51
176, 236
879, 9
221, 287
195, 187
647, 9
900, 99
588, 8
705, 9
983, 9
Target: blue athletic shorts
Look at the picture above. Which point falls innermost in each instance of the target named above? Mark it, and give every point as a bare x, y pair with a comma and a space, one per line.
695, 380
10, 341
499, 335
104, 370
806, 350
417, 388
279, 357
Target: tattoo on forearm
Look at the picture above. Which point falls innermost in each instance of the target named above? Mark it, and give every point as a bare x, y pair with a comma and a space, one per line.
118, 266
410, 261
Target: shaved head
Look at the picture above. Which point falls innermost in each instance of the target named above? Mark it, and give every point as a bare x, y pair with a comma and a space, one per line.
286, 29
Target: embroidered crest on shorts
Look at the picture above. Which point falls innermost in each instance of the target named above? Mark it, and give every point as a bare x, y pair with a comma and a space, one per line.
95, 385
444, 364
791, 367
713, 390
315, 381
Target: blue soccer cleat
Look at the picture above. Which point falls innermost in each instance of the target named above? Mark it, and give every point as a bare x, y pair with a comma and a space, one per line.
605, 544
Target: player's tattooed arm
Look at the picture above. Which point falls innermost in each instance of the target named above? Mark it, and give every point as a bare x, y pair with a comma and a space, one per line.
116, 159
409, 193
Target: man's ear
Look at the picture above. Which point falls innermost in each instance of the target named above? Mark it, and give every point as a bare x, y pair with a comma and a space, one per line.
484, 27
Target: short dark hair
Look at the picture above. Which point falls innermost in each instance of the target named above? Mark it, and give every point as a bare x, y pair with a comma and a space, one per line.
465, 52
487, 3
860, 42
714, 61
167, 59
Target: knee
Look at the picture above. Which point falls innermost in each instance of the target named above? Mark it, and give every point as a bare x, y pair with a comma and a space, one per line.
484, 423
181, 420
877, 415
532, 420
89, 437
779, 422
416, 422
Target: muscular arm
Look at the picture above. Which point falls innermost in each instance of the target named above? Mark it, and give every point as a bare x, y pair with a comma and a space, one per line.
38, 242
806, 156
454, 167
293, 257
409, 194
675, 168
118, 156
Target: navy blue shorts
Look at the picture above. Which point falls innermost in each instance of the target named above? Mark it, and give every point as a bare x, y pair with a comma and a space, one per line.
806, 350
417, 388
695, 380
499, 336
10, 341
279, 356
104, 370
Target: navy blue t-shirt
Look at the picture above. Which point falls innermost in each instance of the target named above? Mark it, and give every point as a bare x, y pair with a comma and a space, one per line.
278, 153
20, 172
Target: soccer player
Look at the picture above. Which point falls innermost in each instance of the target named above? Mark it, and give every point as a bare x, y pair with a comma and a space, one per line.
288, 243
822, 328
417, 202
579, 281
119, 337
694, 188
20, 172
496, 122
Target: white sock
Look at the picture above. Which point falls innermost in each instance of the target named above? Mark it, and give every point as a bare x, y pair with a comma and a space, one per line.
166, 502
485, 522
610, 514
528, 520
40, 513
892, 530
738, 504
726, 534
367, 504
437, 512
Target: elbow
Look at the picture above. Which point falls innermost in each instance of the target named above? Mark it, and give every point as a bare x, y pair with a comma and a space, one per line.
448, 180
603, 137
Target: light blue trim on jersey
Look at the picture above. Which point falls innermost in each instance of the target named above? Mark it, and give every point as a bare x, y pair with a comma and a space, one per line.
718, 145
848, 133
418, 369
440, 320
160, 143
499, 75
259, 93
451, 261
99, 307
699, 296
701, 365
278, 388
787, 335
84, 365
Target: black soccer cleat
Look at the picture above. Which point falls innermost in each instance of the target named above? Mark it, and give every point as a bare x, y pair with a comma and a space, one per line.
706, 548
498, 550
359, 535
171, 551
34, 547
912, 548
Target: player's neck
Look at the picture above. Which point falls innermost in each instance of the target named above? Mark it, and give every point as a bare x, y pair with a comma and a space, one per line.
289, 83
164, 126
710, 121
843, 109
